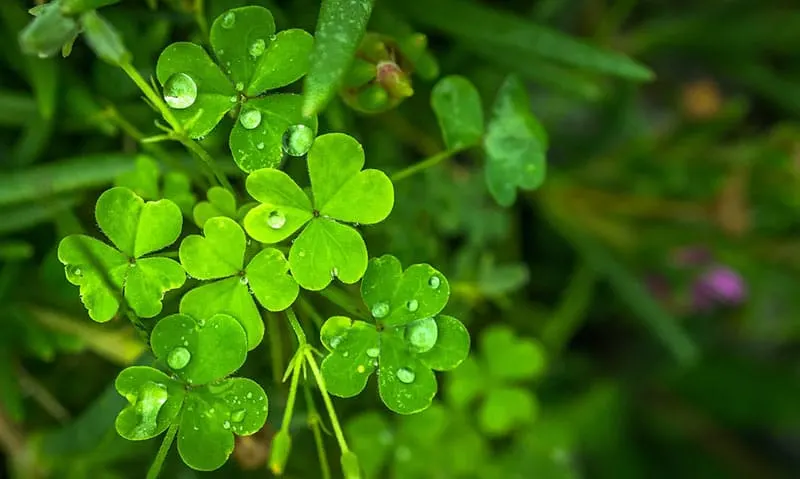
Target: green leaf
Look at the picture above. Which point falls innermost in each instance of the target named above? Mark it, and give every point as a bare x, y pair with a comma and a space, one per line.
515, 145
215, 95
212, 415
506, 409
284, 207
511, 358
355, 344
269, 279
178, 189
155, 401
48, 32
199, 354
104, 39
452, 345
228, 296
146, 282
326, 250
259, 144
218, 254
240, 37
143, 180
466, 383
405, 385
457, 105
340, 27
284, 62
134, 226
221, 202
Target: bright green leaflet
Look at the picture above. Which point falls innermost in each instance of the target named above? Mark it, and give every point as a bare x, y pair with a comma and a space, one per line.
408, 339
505, 361
144, 181
136, 228
340, 27
250, 60
221, 202
458, 108
219, 255
515, 145
209, 413
342, 193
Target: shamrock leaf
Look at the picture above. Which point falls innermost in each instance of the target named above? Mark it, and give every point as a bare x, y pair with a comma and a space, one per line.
209, 412
408, 339
250, 59
457, 105
506, 360
219, 255
221, 202
136, 228
515, 145
342, 193
144, 181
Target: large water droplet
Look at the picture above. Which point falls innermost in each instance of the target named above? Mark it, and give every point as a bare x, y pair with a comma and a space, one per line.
434, 282
257, 48
380, 310
422, 335
373, 352
250, 119
178, 358
276, 220
148, 403
228, 20
405, 375
297, 140
412, 305
238, 416
180, 91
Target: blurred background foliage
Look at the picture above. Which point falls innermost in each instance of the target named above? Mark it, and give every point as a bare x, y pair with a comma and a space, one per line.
649, 285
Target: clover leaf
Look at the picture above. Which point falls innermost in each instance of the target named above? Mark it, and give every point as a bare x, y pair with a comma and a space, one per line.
219, 255
136, 228
342, 193
457, 105
408, 339
250, 59
144, 181
221, 202
506, 360
208, 413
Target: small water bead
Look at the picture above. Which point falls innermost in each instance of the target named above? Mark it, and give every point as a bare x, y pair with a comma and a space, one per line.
228, 20
226, 425
297, 140
260, 145
276, 220
238, 416
178, 358
249, 396
180, 91
434, 282
412, 305
201, 322
405, 375
243, 280
335, 341
373, 352
257, 48
422, 335
233, 99
361, 368
239, 86
346, 354
250, 119
380, 310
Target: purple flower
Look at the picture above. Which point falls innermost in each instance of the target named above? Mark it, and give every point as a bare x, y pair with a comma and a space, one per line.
719, 284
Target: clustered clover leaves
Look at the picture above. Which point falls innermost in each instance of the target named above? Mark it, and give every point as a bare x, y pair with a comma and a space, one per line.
408, 339
341, 193
207, 407
144, 178
505, 361
136, 229
221, 202
251, 59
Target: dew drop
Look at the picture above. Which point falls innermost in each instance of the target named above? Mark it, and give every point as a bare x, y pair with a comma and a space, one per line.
361, 368
249, 396
373, 352
233, 99
297, 140
201, 322
276, 220
178, 358
250, 119
335, 341
239, 86
257, 48
228, 20
434, 282
260, 145
238, 416
405, 375
380, 310
180, 91
243, 280
226, 425
147, 403
412, 305
422, 335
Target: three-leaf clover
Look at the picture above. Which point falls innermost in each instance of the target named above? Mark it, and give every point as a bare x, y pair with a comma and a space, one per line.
407, 340
250, 60
144, 181
220, 255
207, 407
221, 202
136, 228
505, 361
340, 193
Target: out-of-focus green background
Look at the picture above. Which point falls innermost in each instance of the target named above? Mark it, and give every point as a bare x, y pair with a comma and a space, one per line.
658, 265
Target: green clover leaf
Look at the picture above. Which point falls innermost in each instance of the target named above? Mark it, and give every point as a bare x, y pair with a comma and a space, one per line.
457, 105
506, 360
213, 409
136, 228
221, 202
144, 181
342, 193
219, 255
408, 340
250, 60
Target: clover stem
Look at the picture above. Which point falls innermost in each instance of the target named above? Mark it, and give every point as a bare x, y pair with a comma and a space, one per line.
169, 437
298, 330
201, 153
276, 346
314, 420
423, 165
343, 300
337, 430
287, 415
309, 310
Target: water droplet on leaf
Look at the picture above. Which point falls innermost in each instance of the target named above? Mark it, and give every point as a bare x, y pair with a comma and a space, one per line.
239, 86
226, 425
180, 91
380, 310
260, 145
405, 375
148, 403
361, 368
335, 341
238, 416
434, 282
243, 280
373, 352
178, 358
412, 305
250, 119
297, 140
228, 20
276, 220
422, 334
257, 48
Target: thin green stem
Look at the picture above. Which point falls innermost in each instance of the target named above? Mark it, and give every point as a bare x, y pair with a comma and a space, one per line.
289, 412
423, 165
337, 430
298, 330
200, 17
201, 153
311, 311
169, 437
314, 420
276, 347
